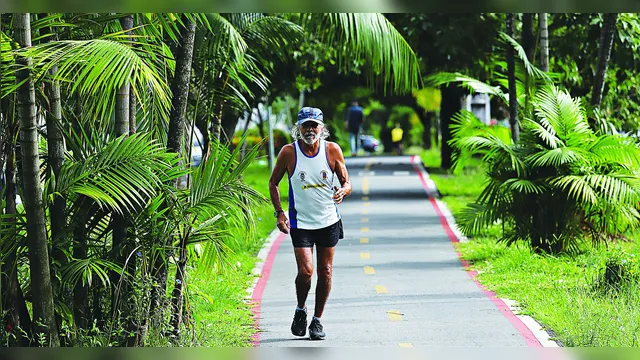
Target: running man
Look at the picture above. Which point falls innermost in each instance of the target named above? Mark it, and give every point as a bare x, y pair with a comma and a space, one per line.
311, 163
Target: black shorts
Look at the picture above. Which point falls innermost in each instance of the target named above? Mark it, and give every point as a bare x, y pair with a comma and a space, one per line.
325, 237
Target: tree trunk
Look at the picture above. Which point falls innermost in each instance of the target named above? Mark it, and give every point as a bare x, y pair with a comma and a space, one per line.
261, 132
43, 309
426, 118
119, 221
243, 149
217, 123
451, 104
604, 54
177, 121
511, 69
180, 87
132, 111
544, 41
181, 82
55, 151
178, 289
528, 42
14, 307
229, 125
80, 291
428, 125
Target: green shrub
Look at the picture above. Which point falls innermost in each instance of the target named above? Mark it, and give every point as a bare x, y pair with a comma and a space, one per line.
558, 182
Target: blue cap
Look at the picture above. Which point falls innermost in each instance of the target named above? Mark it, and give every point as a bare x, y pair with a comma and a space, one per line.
310, 114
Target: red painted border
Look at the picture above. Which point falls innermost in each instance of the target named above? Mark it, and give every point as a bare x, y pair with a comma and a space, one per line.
256, 296
529, 337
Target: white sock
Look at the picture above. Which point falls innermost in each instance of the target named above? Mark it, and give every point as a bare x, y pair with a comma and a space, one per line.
316, 318
305, 308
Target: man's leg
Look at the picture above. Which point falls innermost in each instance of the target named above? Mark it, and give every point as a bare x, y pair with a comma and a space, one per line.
323, 287
357, 140
352, 142
304, 259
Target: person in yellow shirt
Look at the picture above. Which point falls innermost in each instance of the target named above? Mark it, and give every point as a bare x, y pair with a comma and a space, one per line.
396, 138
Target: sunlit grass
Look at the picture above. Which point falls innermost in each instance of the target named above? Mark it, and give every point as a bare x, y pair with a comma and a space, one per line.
221, 313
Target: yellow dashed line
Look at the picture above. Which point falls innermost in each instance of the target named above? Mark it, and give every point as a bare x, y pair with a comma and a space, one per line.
367, 166
365, 255
364, 220
365, 198
365, 211
394, 315
369, 270
366, 204
405, 345
364, 240
365, 186
365, 229
381, 289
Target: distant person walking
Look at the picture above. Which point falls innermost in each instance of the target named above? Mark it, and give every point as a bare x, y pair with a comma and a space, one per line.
354, 119
396, 138
311, 162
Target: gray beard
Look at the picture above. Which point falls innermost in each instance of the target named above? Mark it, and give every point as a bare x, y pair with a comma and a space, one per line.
310, 141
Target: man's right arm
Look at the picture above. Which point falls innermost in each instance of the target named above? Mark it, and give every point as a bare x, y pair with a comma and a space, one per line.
278, 172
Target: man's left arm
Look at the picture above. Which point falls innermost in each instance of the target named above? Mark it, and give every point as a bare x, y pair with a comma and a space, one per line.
340, 168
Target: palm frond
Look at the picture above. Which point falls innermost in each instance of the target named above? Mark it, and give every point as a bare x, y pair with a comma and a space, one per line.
558, 157
476, 86
225, 38
7, 62
97, 68
524, 186
475, 218
616, 149
522, 55
562, 112
370, 37
125, 174
85, 271
578, 188
13, 233
470, 135
546, 133
271, 35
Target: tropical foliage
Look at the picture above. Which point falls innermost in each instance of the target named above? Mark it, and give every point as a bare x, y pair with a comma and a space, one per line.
122, 209
559, 181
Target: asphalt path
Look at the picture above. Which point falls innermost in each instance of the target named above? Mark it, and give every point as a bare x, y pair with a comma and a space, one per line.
397, 278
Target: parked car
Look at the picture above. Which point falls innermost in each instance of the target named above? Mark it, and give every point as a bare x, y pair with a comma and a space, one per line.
369, 143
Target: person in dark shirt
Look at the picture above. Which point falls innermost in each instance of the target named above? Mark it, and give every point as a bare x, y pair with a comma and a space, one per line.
354, 119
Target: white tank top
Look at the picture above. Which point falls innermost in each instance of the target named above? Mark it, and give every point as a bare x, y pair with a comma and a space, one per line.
311, 204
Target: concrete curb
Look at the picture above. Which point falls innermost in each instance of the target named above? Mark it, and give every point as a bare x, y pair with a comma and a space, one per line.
534, 326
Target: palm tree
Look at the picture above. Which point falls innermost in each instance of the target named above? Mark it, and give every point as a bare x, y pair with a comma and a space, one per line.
217, 199
233, 78
43, 310
559, 181
604, 54
78, 60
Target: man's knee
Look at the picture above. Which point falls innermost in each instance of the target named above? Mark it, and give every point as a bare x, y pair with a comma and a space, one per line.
304, 274
324, 272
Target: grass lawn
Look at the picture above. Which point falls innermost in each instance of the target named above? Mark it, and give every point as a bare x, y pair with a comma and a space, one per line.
222, 317
561, 292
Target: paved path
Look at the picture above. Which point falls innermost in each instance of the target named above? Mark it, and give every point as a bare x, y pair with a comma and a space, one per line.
397, 279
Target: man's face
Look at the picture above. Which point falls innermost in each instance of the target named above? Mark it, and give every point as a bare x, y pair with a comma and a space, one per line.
310, 131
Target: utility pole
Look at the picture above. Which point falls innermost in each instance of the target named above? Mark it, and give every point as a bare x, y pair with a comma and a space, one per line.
271, 145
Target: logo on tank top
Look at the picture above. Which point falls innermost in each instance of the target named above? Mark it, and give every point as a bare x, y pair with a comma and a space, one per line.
324, 174
303, 175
